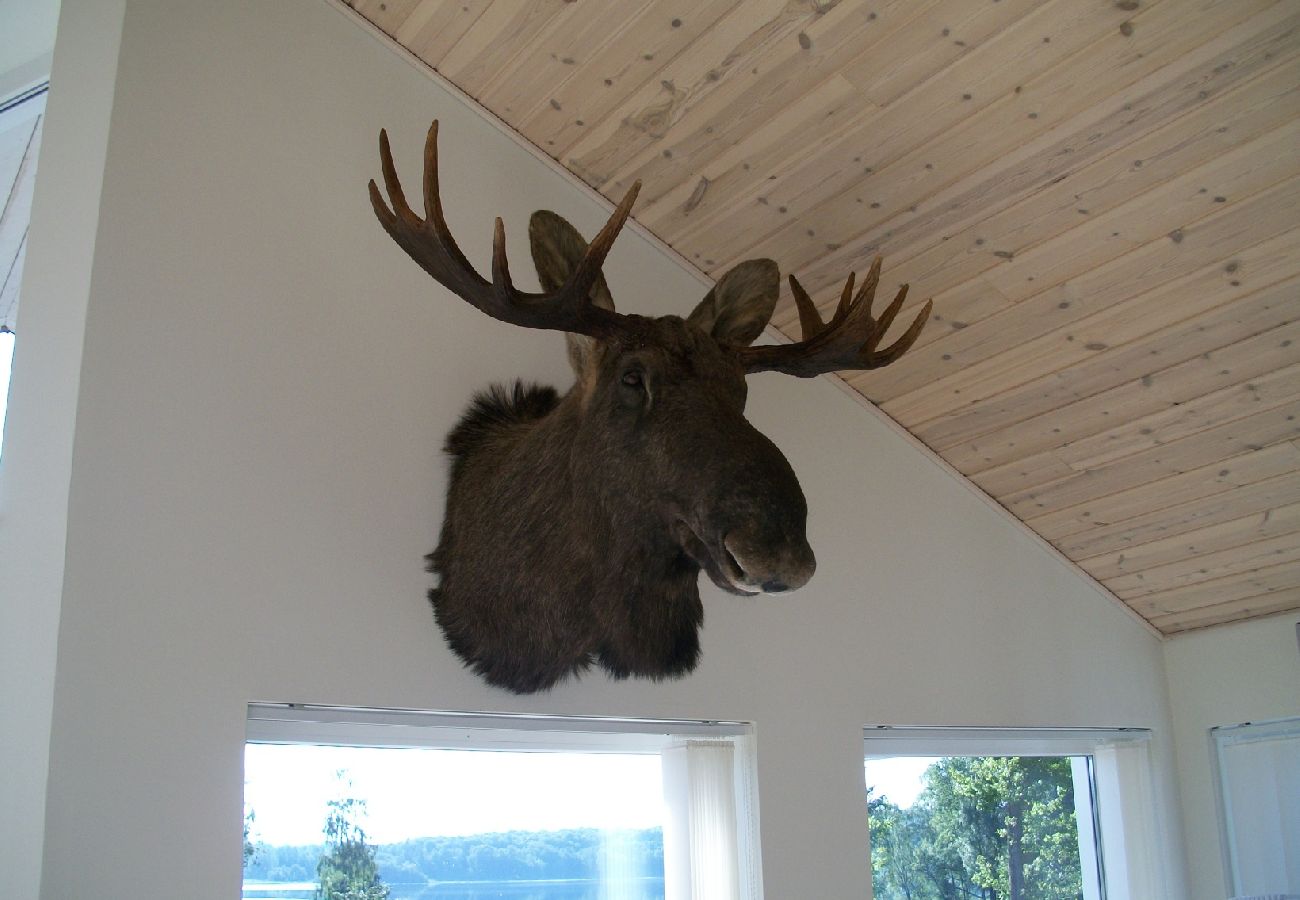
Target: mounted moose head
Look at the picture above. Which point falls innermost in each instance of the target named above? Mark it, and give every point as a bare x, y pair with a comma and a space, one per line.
576, 526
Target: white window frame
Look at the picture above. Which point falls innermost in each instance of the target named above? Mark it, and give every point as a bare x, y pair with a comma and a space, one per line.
678, 741
1116, 839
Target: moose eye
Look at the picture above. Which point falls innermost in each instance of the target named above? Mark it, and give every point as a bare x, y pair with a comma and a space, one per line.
632, 378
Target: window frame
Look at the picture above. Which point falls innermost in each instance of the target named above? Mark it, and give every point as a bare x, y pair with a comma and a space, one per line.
304, 723
1116, 882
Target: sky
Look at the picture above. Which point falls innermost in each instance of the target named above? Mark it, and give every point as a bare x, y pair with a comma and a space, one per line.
418, 793
898, 778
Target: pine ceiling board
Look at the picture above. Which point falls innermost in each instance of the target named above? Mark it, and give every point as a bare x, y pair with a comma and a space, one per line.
1248, 482
1270, 426
389, 15
561, 55
1199, 375
838, 167
819, 193
1181, 602
1137, 314
502, 31
632, 60
1036, 311
935, 38
1233, 611
725, 53
1183, 420
778, 76
1228, 120
978, 436
1271, 522
1197, 79
1202, 567
436, 26
1166, 527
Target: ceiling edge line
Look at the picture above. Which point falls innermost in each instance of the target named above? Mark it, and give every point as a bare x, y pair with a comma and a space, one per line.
948, 469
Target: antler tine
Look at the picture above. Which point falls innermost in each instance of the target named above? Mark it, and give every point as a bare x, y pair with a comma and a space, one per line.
848, 341
430, 243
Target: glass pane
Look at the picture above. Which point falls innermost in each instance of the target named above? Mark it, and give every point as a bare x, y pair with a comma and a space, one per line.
990, 827
423, 824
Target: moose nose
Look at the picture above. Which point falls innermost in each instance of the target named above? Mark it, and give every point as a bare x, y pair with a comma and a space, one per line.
773, 567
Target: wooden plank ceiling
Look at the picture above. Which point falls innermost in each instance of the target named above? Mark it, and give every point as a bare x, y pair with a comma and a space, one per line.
1100, 196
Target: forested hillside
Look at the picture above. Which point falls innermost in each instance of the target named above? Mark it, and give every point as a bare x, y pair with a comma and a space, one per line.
511, 855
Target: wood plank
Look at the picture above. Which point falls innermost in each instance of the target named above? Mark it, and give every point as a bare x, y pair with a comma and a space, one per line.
1237, 227
1281, 550
1229, 613
497, 36
1186, 420
1059, 406
1274, 521
958, 143
1204, 374
903, 51
1232, 611
1171, 209
821, 190
552, 60
1221, 490
1200, 78
433, 27
1270, 426
1180, 422
778, 78
1209, 130
729, 50
1138, 317
1168, 604
388, 15
610, 78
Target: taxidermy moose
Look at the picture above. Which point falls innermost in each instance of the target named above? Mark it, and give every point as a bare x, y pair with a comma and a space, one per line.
576, 526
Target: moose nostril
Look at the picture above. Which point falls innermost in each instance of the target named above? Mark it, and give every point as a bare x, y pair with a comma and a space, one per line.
773, 586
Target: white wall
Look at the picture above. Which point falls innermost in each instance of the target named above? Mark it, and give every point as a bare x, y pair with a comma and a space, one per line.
36, 469
265, 384
1249, 672
27, 29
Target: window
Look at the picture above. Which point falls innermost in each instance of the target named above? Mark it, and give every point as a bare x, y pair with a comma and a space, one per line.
437, 806
1003, 813
21, 118
1259, 800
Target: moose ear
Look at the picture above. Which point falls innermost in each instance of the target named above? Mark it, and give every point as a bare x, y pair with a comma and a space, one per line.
557, 248
740, 305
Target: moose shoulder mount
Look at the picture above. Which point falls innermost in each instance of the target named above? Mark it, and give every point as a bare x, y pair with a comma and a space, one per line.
576, 526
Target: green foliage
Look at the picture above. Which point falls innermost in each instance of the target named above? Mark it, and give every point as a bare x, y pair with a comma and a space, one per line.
347, 869
996, 828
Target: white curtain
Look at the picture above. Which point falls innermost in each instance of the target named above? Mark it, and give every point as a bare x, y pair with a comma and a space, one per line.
1259, 782
701, 841
1125, 806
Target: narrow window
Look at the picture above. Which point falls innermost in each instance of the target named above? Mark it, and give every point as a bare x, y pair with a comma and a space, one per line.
21, 118
998, 814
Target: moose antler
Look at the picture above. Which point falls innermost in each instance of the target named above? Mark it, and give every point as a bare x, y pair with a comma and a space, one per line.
429, 242
848, 341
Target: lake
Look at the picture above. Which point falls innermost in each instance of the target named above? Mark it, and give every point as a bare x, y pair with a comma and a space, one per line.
578, 889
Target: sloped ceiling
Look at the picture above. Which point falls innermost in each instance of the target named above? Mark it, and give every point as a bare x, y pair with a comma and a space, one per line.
1100, 196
